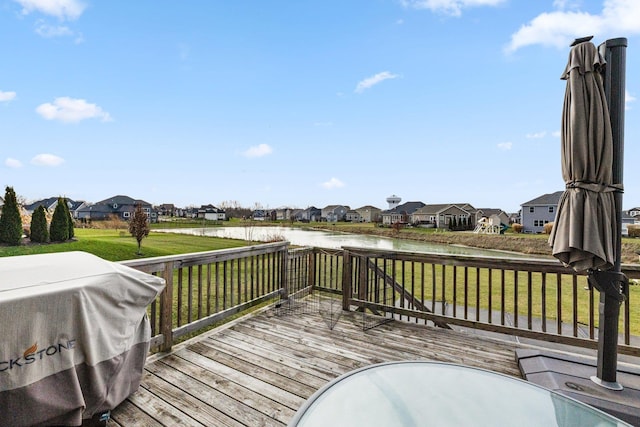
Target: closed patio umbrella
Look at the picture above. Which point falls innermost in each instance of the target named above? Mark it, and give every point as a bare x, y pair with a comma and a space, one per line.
585, 227
586, 234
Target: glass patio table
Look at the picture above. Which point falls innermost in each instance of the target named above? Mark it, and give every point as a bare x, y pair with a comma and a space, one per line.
424, 393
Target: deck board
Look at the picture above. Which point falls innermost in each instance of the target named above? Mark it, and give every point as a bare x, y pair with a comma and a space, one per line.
259, 370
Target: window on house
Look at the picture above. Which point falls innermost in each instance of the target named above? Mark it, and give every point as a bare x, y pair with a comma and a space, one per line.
125, 214
531, 209
550, 209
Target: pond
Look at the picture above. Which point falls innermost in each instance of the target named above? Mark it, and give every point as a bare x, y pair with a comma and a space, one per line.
336, 240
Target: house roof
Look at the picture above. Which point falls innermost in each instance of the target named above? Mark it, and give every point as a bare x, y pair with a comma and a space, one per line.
50, 201
406, 208
122, 200
368, 207
545, 199
491, 211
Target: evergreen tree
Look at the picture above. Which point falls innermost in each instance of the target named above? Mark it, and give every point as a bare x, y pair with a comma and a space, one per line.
10, 220
139, 226
39, 228
59, 229
68, 212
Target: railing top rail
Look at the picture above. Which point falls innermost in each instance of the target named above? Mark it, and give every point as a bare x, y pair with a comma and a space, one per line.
208, 256
523, 264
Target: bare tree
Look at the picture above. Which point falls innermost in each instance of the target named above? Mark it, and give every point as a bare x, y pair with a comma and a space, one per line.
139, 225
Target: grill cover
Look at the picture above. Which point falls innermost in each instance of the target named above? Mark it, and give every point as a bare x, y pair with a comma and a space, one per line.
74, 336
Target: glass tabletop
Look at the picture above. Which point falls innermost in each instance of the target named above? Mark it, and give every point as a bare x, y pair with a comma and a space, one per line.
424, 393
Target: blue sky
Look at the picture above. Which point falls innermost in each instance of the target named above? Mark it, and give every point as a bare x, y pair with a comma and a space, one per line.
297, 103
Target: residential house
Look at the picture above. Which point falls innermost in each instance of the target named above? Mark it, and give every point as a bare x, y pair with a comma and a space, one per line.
490, 212
442, 215
285, 214
334, 213
634, 213
352, 216
401, 213
369, 213
309, 214
514, 218
167, 209
539, 211
50, 205
211, 213
120, 206
260, 215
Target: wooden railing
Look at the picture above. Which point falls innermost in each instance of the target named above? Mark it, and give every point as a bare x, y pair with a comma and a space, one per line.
529, 298
206, 288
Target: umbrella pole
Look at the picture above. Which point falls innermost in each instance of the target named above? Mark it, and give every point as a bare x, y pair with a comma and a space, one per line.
613, 285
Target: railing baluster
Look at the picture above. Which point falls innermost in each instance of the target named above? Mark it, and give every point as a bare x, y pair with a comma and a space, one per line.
477, 294
503, 293
574, 306
490, 296
466, 292
529, 301
559, 304
200, 290
189, 294
180, 272
515, 298
543, 301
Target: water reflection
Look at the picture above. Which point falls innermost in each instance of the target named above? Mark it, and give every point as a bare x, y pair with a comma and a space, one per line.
336, 240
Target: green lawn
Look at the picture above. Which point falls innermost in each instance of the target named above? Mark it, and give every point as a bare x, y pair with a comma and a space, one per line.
118, 245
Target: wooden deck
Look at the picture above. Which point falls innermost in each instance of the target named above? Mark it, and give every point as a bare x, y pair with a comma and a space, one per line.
258, 370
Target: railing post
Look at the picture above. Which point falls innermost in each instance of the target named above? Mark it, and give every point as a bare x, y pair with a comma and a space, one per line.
346, 280
166, 308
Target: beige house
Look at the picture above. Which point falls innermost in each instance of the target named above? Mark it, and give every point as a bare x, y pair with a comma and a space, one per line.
441, 215
369, 213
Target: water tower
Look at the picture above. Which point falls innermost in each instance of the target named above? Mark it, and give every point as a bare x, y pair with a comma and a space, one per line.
393, 201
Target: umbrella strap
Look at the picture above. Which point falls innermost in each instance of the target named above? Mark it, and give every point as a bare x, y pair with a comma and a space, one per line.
595, 186
612, 283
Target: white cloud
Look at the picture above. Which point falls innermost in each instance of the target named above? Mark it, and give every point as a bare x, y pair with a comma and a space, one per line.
258, 151
628, 98
536, 135
48, 31
47, 160
556, 134
448, 7
13, 163
560, 27
7, 96
333, 183
62, 9
505, 146
70, 110
374, 80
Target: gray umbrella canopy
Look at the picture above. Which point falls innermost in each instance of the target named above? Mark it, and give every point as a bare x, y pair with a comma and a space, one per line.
585, 229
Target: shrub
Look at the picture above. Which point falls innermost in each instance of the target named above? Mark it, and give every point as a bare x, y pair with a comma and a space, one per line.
10, 220
633, 230
517, 228
39, 228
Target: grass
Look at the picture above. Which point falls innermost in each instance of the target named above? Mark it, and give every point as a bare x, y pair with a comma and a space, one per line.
118, 245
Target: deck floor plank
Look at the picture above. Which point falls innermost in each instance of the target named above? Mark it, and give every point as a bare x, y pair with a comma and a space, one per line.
262, 368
